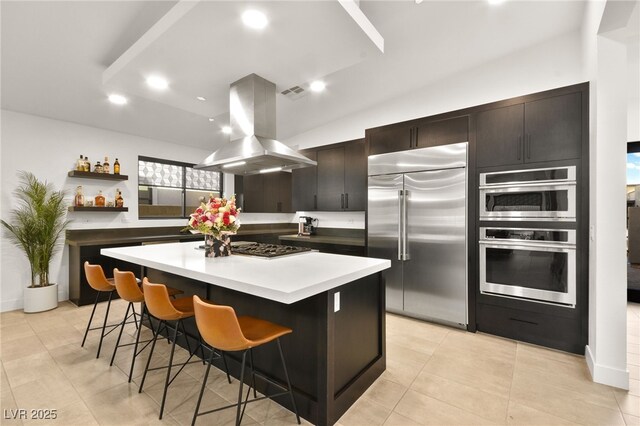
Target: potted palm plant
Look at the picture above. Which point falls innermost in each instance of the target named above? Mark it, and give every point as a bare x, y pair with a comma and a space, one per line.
35, 227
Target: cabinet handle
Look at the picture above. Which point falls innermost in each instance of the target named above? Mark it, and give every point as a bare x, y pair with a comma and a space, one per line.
529, 146
519, 147
415, 137
410, 137
342, 201
346, 200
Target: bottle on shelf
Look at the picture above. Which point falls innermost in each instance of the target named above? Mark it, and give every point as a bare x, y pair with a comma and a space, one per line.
87, 164
99, 200
119, 199
116, 167
97, 168
80, 163
105, 165
78, 200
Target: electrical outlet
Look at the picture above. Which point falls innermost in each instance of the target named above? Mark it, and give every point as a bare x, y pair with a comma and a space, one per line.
336, 301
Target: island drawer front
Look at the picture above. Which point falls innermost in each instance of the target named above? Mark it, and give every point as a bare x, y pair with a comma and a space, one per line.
532, 327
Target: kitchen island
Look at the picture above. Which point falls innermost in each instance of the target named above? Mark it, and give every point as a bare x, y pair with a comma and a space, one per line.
334, 304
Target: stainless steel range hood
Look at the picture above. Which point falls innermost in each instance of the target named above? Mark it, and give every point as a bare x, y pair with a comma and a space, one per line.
252, 102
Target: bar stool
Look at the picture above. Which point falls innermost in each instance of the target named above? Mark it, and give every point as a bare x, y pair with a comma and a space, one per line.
158, 304
221, 328
100, 283
128, 288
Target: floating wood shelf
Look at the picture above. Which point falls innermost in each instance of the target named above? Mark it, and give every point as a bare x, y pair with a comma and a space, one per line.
98, 209
92, 175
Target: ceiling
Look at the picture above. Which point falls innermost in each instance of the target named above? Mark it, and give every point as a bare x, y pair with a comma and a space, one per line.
61, 59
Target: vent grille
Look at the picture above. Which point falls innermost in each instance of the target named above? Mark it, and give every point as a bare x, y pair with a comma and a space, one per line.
294, 93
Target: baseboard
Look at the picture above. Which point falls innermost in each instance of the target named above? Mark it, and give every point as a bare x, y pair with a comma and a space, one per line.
606, 375
16, 304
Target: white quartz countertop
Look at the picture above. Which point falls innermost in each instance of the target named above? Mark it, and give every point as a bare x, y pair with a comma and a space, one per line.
285, 279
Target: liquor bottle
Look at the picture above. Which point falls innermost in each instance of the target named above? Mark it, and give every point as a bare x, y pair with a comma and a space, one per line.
119, 199
105, 165
97, 168
116, 167
78, 200
87, 164
99, 199
80, 163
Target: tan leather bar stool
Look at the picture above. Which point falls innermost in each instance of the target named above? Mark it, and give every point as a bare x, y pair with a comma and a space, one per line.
128, 288
156, 299
100, 283
221, 328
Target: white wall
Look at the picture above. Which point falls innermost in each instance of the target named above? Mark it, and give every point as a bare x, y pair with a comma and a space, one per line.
548, 65
633, 82
49, 148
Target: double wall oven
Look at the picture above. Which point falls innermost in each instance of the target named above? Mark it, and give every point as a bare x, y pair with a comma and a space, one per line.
534, 262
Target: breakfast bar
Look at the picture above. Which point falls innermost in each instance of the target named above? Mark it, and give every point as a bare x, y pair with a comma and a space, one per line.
335, 305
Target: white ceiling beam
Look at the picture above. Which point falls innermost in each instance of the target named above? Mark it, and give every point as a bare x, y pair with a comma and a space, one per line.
352, 7
171, 17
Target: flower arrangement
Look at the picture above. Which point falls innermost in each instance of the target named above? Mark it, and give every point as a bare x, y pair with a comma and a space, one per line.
216, 217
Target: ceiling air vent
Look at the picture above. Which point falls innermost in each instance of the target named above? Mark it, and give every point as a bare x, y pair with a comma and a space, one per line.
294, 93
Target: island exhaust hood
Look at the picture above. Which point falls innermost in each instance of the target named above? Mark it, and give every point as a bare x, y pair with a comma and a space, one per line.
252, 102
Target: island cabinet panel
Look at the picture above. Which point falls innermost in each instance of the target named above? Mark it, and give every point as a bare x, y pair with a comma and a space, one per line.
442, 132
264, 193
547, 129
332, 356
304, 185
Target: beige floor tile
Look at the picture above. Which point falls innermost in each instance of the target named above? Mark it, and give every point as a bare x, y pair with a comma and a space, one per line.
634, 387
402, 353
633, 359
41, 322
123, 405
398, 325
285, 421
634, 339
548, 359
634, 372
396, 419
50, 391
519, 414
30, 368
365, 412
12, 316
402, 372
631, 420
629, 404
480, 344
179, 390
14, 331
60, 336
20, 348
633, 348
571, 405
385, 392
471, 399
429, 411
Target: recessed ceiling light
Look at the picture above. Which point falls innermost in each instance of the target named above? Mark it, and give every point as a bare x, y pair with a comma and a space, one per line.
201, 98
212, 119
494, 2
157, 82
226, 129
317, 86
254, 19
117, 99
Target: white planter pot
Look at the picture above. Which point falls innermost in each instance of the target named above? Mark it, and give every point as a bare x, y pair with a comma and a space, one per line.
39, 299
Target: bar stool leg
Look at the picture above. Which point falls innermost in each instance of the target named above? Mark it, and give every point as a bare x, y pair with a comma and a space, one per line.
244, 359
122, 325
204, 385
166, 383
253, 372
135, 320
104, 324
226, 367
286, 375
153, 345
93, 311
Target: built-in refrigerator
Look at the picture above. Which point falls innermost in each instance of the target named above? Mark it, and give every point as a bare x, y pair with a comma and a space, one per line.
416, 217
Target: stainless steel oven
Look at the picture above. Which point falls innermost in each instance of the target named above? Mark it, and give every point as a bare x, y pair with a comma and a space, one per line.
534, 194
532, 264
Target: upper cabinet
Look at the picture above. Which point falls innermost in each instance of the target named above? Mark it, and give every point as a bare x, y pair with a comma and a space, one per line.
420, 134
542, 130
338, 183
264, 193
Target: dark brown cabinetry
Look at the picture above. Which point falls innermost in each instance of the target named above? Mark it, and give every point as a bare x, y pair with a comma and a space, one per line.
338, 183
418, 134
541, 130
264, 193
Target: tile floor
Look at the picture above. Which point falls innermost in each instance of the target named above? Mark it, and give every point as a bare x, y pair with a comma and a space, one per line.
435, 375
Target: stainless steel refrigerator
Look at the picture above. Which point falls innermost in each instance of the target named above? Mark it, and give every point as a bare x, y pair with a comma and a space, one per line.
417, 219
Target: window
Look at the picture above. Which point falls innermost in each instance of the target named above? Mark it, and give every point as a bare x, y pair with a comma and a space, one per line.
170, 189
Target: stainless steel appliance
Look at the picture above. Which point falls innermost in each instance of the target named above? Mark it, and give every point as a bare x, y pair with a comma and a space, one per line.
306, 225
417, 219
268, 251
533, 264
534, 194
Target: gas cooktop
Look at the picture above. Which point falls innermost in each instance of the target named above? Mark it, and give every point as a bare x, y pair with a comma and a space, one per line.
265, 250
